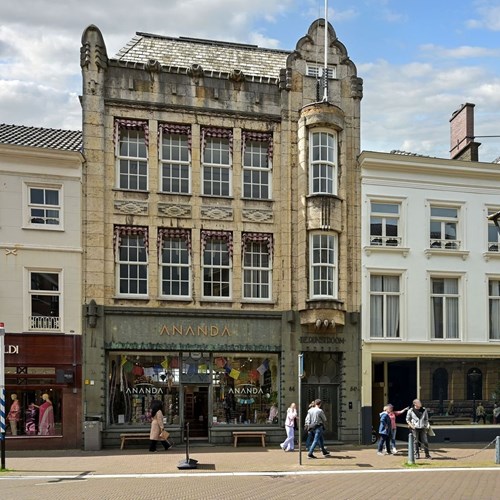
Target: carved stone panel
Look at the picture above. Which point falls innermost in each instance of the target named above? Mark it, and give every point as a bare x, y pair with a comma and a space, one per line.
129, 207
175, 210
257, 215
217, 213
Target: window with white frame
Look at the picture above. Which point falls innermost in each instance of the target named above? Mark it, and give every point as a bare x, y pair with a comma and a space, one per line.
131, 251
257, 154
445, 308
132, 154
44, 206
384, 306
175, 262
323, 162
323, 266
257, 265
494, 308
493, 235
385, 223
217, 162
45, 300
444, 227
175, 158
217, 249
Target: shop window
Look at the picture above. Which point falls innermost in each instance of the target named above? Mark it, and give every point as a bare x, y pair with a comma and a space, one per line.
136, 380
245, 389
32, 412
44, 297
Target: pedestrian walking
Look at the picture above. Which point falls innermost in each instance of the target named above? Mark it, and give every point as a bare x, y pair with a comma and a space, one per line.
316, 422
496, 413
384, 431
291, 414
417, 419
480, 413
157, 429
393, 414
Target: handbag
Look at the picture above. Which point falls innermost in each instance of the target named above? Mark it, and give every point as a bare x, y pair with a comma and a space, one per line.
164, 434
430, 431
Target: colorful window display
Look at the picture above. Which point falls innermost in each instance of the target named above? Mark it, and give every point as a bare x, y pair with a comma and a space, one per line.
245, 389
34, 412
135, 380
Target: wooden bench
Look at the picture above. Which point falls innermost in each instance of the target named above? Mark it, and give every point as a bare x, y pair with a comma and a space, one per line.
260, 434
133, 435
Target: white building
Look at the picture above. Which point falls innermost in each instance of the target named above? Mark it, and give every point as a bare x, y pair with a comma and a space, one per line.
40, 273
430, 282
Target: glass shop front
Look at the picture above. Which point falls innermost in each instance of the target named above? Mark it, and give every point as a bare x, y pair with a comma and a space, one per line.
210, 391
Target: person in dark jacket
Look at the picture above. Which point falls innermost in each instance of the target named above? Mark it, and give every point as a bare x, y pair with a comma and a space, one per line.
384, 431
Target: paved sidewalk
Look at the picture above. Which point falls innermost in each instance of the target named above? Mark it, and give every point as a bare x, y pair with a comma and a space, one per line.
223, 459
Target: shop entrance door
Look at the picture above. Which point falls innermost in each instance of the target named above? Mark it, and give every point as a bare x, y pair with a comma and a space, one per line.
328, 393
196, 410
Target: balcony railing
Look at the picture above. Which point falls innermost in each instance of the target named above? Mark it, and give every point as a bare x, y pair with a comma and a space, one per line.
385, 241
445, 244
44, 323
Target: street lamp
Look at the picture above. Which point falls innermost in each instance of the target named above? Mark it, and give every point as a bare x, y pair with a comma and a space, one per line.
474, 377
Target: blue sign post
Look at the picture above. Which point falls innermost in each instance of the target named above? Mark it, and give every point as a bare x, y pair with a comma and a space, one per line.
2, 393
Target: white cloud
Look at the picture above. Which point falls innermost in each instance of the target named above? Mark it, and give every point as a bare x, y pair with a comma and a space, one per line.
462, 52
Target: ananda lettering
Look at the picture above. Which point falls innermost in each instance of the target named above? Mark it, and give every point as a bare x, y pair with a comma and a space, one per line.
197, 331
245, 390
322, 340
144, 389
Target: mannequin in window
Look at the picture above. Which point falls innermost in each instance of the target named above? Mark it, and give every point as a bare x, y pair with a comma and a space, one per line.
46, 417
14, 414
31, 419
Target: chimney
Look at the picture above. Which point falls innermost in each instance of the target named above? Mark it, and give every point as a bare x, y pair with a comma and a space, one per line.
462, 144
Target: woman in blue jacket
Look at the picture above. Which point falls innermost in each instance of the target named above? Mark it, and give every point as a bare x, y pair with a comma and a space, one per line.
384, 430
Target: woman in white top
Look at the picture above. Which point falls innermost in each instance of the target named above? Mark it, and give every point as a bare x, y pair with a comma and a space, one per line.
291, 415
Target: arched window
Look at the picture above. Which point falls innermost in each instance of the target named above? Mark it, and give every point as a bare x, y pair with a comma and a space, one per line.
440, 384
474, 384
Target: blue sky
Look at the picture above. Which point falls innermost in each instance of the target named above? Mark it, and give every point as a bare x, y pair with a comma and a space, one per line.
419, 60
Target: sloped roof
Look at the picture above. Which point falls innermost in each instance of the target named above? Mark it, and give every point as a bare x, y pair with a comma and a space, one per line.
211, 55
37, 137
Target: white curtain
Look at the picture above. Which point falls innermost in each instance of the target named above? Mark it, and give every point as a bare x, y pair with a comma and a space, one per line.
495, 309
384, 306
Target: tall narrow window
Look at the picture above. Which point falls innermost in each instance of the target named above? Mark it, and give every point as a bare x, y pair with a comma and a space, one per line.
384, 306
175, 262
494, 308
323, 258
257, 149
323, 163
217, 253
444, 308
257, 269
132, 260
444, 228
45, 296
384, 224
217, 175
131, 155
175, 158
44, 205
493, 235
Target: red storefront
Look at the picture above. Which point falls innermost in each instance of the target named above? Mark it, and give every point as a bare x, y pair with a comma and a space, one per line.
43, 379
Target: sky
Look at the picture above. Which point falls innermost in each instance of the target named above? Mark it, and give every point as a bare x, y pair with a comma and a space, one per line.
420, 60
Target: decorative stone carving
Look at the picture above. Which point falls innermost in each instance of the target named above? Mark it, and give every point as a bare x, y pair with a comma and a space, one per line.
356, 87
237, 75
257, 215
175, 210
217, 213
131, 207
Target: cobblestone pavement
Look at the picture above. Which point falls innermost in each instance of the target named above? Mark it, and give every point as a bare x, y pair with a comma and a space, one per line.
248, 472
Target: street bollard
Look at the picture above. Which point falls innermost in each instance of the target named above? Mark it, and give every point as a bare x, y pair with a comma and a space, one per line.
411, 449
497, 450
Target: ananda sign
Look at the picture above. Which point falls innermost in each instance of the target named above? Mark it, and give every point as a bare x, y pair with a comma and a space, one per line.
247, 391
144, 389
195, 331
